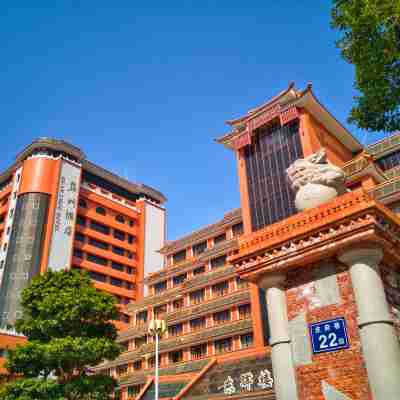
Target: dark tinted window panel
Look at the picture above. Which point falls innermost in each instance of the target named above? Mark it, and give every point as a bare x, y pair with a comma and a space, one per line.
79, 237
98, 243
220, 238
117, 266
97, 277
199, 248
99, 227
218, 262
119, 235
96, 259
118, 250
24, 253
273, 150
389, 161
81, 220
237, 229
180, 256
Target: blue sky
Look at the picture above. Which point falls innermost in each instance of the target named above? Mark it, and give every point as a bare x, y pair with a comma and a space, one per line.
144, 87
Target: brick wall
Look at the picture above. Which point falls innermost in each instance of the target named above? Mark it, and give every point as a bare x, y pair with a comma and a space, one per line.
317, 294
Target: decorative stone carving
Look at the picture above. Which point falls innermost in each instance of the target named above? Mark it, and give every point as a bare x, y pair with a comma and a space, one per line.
315, 180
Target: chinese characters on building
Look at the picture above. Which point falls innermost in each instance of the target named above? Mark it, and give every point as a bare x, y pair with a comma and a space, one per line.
64, 220
248, 382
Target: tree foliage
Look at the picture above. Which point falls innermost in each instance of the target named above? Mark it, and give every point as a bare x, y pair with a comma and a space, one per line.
371, 42
67, 323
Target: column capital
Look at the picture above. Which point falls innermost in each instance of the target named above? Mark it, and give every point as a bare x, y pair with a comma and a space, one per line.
269, 281
370, 256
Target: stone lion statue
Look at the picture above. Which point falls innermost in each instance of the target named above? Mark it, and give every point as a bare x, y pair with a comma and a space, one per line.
315, 180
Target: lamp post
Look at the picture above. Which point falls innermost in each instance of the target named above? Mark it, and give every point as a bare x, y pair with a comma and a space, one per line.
157, 328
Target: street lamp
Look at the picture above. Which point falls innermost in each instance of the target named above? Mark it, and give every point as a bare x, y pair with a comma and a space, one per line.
157, 328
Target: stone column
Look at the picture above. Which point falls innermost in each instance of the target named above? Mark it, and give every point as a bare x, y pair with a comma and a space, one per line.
379, 341
282, 358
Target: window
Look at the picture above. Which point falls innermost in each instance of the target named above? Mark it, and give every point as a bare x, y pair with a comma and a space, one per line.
220, 238
178, 257
160, 287
101, 210
118, 250
134, 390
130, 285
130, 270
124, 345
129, 254
199, 270
141, 318
131, 223
175, 356
197, 324
218, 262
199, 248
246, 340
97, 226
117, 266
177, 304
131, 239
222, 317
119, 218
79, 237
124, 318
116, 282
178, 279
78, 253
137, 365
96, 259
98, 243
220, 289
140, 341
175, 330
241, 284
237, 229
197, 296
198, 351
119, 234
244, 311
97, 277
81, 220
223, 345
122, 369
82, 203
151, 362
159, 311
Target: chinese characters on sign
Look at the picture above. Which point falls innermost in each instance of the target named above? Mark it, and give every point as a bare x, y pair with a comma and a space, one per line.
329, 335
67, 199
248, 382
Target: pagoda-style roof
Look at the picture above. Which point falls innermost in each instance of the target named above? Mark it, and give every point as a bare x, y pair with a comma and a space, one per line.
283, 106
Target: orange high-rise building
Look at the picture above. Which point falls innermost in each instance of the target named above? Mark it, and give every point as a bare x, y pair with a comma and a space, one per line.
58, 210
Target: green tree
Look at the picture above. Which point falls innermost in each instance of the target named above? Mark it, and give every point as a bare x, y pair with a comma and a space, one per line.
67, 323
371, 42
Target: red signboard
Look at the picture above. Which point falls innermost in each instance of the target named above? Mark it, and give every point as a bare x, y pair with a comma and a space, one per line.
241, 141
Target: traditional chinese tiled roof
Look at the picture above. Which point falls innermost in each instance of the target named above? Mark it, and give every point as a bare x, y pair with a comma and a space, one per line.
209, 231
286, 100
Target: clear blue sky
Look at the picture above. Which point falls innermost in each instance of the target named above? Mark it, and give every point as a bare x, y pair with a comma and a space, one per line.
143, 87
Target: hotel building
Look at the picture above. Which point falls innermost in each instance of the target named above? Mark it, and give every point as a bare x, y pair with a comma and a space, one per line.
293, 305
59, 210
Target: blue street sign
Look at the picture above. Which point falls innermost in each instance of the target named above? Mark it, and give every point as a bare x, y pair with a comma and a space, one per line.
329, 335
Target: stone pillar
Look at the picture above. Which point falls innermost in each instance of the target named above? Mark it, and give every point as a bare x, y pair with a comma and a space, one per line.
282, 358
378, 337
